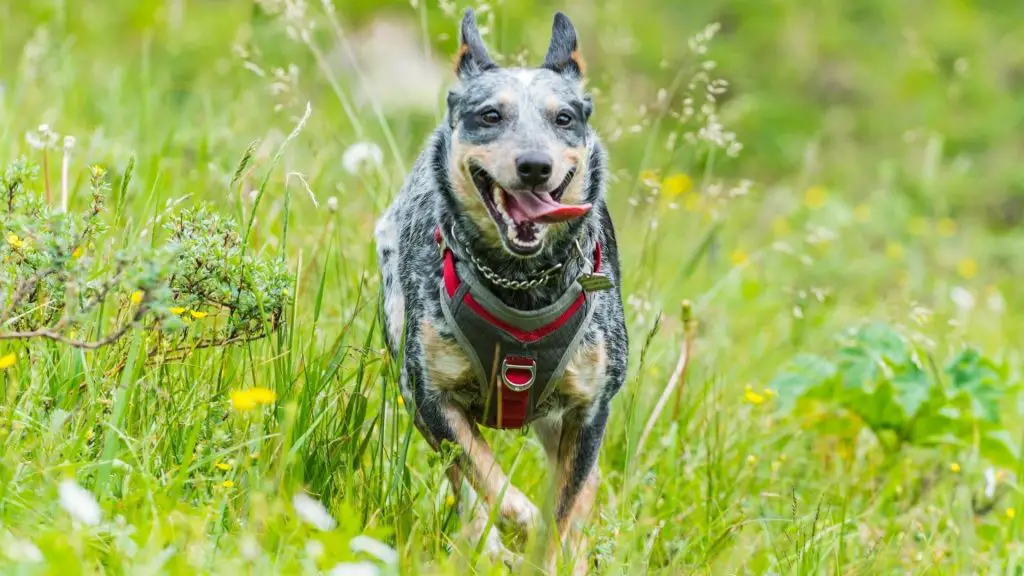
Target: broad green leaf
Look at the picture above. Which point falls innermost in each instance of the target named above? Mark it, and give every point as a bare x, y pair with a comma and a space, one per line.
999, 447
801, 374
980, 380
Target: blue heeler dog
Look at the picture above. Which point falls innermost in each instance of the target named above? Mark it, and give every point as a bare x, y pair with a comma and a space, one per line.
500, 281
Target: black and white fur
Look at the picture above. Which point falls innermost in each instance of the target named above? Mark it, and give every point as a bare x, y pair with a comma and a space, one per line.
539, 111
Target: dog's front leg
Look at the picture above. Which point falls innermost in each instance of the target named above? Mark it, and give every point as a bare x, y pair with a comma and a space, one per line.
582, 431
441, 420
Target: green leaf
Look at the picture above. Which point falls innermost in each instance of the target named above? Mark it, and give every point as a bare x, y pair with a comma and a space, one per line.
801, 374
999, 447
913, 388
980, 380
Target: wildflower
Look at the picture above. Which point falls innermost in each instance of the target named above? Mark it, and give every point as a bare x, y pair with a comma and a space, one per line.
815, 197
449, 500
332, 204
894, 251
361, 155
354, 569
15, 241
962, 299
780, 226
375, 548
177, 310
967, 268
862, 213
994, 300
954, 468
1011, 513
401, 401
990, 482
739, 257
7, 360
946, 227
753, 397
136, 297
223, 466
197, 314
312, 512
227, 484
676, 185
250, 398
751, 459
79, 503
76, 253
97, 171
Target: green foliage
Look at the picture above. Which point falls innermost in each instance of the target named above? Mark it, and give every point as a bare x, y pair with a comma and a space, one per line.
57, 270
878, 377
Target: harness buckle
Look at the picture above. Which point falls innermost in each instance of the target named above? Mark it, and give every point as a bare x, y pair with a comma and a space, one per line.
518, 372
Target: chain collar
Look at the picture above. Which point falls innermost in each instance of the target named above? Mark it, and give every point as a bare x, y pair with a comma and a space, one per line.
500, 280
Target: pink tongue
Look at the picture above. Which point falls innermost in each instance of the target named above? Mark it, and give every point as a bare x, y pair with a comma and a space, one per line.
541, 207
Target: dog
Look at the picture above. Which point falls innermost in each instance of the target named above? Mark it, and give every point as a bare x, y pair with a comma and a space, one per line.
500, 283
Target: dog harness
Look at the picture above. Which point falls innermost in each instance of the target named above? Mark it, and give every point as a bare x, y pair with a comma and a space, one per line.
516, 355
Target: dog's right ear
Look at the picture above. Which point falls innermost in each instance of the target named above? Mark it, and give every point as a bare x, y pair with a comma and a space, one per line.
472, 58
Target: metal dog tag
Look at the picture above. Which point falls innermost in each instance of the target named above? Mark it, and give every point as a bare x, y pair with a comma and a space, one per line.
595, 282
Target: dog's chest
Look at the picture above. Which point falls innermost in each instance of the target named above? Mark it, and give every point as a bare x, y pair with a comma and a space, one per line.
449, 369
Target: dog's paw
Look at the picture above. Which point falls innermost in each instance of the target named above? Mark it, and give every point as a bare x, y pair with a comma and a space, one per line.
520, 511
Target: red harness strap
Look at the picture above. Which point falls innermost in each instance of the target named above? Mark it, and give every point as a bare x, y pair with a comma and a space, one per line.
513, 403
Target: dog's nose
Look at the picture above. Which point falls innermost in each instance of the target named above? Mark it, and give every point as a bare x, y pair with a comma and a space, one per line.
534, 168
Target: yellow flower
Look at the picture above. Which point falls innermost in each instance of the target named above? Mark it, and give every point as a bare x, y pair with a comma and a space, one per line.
76, 253
15, 241
178, 310
954, 467
946, 227
223, 466
197, 314
136, 297
676, 185
862, 213
401, 401
894, 251
449, 500
751, 459
97, 171
248, 399
753, 397
1011, 513
918, 226
739, 257
780, 226
7, 360
815, 197
227, 484
967, 268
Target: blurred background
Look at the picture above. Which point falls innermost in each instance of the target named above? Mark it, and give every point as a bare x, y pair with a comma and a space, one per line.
793, 167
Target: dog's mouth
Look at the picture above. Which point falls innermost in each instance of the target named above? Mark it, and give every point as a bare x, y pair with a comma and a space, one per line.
522, 216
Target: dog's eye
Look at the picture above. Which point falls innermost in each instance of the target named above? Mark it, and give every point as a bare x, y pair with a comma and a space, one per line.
490, 116
563, 119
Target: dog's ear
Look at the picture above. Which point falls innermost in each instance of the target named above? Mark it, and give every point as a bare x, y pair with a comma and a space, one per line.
563, 53
472, 57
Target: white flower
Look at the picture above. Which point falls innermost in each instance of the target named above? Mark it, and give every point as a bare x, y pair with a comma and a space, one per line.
990, 482
962, 299
995, 301
361, 155
21, 550
312, 512
332, 203
314, 548
79, 503
375, 548
354, 569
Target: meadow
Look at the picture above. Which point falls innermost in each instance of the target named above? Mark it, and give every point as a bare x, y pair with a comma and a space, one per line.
819, 207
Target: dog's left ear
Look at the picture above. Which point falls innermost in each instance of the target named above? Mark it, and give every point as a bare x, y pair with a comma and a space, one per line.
472, 58
563, 53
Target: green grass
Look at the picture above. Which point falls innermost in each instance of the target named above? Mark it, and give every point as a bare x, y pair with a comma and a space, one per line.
882, 139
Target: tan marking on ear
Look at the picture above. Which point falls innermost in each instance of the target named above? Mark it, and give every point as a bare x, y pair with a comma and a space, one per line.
463, 50
584, 374
447, 365
578, 59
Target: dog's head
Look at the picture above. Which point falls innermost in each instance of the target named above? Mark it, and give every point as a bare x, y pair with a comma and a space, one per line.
520, 142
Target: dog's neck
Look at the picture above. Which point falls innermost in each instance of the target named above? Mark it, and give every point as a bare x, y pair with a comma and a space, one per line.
570, 254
